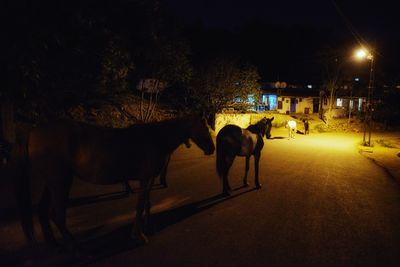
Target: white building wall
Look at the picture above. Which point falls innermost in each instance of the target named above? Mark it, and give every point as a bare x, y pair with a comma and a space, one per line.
285, 104
306, 102
303, 104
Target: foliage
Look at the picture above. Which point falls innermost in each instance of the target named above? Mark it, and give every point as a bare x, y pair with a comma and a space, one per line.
387, 109
332, 74
218, 83
116, 65
90, 50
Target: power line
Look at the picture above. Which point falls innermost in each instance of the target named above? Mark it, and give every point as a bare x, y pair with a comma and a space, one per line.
349, 26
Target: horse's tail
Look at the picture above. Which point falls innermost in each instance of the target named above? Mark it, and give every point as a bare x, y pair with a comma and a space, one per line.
20, 166
220, 157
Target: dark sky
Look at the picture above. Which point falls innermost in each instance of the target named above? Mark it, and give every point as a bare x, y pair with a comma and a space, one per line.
373, 21
365, 16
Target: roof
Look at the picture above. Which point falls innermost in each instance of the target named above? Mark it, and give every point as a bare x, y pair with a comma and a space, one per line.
297, 92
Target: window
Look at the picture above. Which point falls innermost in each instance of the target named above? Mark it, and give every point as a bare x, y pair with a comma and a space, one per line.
339, 102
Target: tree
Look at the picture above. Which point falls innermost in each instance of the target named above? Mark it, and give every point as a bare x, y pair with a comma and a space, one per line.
333, 64
90, 50
216, 85
116, 66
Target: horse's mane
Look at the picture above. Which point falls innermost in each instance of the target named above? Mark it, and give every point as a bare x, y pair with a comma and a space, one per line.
167, 133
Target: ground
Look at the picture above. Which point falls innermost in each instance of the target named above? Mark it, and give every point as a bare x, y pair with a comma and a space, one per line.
323, 203
326, 201
385, 145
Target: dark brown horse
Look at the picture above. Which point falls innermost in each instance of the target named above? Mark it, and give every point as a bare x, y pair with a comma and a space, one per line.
163, 175
60, 151
234, 141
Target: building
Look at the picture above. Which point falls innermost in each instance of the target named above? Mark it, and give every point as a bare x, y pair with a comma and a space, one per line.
284, 98
288, 98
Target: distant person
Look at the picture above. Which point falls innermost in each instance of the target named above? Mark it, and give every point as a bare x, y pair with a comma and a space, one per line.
306, 127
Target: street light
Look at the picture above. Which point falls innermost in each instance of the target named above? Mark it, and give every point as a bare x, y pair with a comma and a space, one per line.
362, 54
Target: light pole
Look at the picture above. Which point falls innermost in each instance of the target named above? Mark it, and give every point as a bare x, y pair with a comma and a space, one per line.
365, 54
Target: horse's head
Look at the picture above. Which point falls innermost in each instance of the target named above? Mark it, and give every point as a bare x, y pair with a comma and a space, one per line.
286, 123
200, 135
267, 127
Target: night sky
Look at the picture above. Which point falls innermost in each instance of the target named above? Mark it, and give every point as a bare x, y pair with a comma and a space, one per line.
352, 21
368, 17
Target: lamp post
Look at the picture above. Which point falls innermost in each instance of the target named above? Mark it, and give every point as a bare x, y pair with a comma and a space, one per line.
365, 54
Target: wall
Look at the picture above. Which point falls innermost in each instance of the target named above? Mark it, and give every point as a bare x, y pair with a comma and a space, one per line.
307, 102
285, 104
239, 119
243, 120
304, 103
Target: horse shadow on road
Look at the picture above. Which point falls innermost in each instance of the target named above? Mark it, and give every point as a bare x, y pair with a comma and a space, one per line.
119, 240
166, 218
277, 137
97, 246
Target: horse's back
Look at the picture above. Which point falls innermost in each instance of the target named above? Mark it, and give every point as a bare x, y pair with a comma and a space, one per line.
52, 140
95, 154
292, 124
229, 130
229, 138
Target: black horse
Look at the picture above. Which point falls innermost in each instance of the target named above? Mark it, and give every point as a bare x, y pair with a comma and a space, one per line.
60, 151
234, 141
163, 175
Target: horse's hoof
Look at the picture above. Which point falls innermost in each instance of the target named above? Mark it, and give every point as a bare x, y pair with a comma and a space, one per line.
246, 184
226, 193
258, 186
51, 242
139, 239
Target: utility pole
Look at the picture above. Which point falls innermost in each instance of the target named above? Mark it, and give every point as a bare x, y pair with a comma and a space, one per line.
369, 109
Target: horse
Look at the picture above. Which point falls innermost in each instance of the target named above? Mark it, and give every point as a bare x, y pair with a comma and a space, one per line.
234, 141
163, 175
60, 151
292, 127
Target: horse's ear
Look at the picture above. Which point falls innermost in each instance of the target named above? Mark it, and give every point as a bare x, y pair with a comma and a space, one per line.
272, 119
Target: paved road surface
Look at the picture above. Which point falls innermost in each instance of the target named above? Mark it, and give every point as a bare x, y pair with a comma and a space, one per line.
322, 204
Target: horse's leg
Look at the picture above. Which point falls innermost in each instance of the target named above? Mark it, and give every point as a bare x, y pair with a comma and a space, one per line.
43, 214
148, 205
138, 234
163, 175
59, 192
245, 183
128, 188
228, 161
257, 156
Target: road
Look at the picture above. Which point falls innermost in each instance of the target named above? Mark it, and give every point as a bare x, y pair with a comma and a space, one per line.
322, 204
